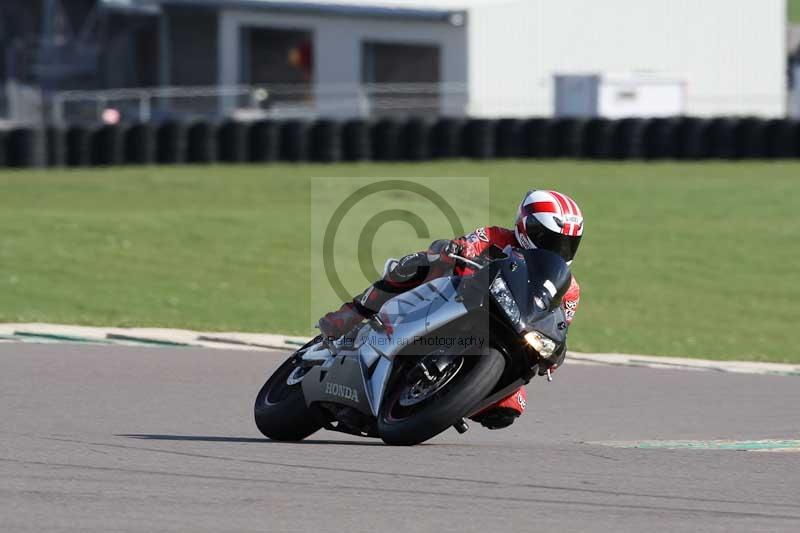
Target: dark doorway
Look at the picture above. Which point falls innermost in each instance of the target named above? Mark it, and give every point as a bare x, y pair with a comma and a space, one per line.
273, 56
414, 68
282, 61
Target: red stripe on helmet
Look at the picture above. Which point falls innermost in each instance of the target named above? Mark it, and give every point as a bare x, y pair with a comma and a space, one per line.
565, 207
575, 209
540, 207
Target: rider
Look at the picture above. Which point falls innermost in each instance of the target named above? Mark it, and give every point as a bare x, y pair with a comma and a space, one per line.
545, 219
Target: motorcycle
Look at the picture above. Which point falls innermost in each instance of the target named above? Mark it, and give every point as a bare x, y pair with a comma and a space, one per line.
430, 358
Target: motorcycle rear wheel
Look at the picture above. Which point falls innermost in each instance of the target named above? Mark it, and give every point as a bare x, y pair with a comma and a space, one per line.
280, 409
475, 379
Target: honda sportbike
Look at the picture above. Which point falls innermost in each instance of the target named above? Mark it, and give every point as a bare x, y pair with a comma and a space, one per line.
430, 358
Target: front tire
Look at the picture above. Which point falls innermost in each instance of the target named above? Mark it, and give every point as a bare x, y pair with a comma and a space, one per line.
474, 380
280, 409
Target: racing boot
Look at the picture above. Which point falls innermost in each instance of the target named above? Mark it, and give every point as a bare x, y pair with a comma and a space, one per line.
335, 324
503, 413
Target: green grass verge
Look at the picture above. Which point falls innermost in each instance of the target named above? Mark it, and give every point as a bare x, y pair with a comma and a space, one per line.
794, 11
677, 259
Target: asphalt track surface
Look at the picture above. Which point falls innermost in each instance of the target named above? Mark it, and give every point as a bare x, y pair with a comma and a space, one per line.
96, 438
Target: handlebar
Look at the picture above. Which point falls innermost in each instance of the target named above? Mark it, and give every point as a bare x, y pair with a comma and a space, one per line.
487, 256
467, 261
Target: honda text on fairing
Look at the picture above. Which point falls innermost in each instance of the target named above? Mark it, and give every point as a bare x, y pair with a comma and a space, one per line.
430, 358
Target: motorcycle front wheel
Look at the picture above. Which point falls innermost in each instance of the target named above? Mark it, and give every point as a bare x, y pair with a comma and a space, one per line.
415, 411
280, 410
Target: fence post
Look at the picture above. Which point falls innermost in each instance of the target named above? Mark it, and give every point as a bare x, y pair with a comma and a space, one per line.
58, 110
101, 105
145, 107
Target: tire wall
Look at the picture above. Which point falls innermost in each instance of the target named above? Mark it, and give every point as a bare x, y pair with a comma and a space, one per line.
402, 139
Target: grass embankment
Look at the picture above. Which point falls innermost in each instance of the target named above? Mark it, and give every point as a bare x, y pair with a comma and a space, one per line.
678, 259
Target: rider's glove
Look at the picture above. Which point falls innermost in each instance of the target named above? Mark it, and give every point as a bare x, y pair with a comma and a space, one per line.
442, 249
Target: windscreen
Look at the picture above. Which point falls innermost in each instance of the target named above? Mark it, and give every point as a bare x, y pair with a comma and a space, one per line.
549, 277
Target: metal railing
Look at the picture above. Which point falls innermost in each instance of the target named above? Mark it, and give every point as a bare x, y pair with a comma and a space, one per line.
307, 101
257, 102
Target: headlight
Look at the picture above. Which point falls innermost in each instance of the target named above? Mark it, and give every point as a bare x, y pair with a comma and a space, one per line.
544, 345
505, 299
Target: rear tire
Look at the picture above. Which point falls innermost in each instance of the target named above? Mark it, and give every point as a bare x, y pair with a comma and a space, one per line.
473, 382
280, 410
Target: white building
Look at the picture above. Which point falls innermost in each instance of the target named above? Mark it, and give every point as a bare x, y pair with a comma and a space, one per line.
486, 58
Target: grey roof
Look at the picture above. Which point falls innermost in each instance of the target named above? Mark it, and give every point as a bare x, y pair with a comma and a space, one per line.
343, 8
132, 6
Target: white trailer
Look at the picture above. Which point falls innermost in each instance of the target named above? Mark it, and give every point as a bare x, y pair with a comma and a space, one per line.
730, 54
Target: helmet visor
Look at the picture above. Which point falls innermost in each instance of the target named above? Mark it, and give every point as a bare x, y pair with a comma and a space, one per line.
564, 245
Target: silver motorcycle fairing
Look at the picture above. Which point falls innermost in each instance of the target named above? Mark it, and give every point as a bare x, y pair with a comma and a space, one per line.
366, 366
341, 381
407, 318
410, 316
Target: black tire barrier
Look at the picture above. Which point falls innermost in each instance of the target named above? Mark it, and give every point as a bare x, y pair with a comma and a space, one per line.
386, 140
356, 141
3, 149
56, 143
294, 141
598, 138
140, 144
721, 138
659, 139
569, 137
201, 143
447, 138
107, 147
749, 138
796, 128
628, 139
538, 138
692, 138
25, 148
508, 138
782, 139
78, 143
415, 140
171, 143
264, 142
325, 141
232, 142
479, 139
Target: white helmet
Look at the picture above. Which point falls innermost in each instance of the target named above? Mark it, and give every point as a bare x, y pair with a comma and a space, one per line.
551, 221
